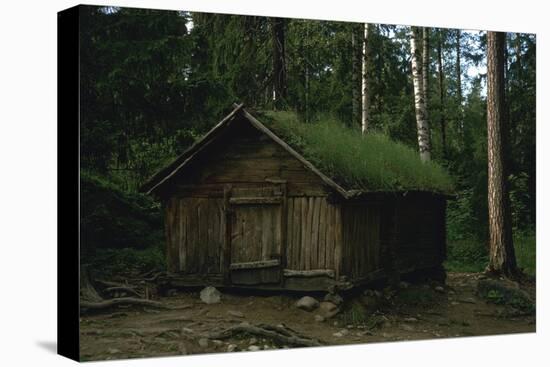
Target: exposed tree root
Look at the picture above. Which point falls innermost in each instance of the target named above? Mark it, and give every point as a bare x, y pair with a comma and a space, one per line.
120, 301
276, 333
128, 290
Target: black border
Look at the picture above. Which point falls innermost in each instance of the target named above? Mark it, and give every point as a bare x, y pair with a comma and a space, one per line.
68, 183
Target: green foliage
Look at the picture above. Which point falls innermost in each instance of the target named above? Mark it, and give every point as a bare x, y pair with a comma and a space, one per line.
355, 314
525, 248
466, 255
416, 296
122, 261
471, 255
112, 218
372, 162
500, 293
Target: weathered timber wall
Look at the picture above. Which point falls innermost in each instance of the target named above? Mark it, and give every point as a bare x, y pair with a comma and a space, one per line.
420, 227
244, 157
195, 231
314, 234
361, 238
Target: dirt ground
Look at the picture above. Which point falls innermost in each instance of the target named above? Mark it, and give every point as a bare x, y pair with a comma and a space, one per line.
415, 311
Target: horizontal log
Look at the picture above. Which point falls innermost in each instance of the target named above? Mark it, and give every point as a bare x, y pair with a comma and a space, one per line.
255, 200
255, 264
308, 273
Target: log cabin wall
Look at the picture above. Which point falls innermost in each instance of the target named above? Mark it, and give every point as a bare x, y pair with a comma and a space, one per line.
314, 234
361, 237
251, 165
420, 232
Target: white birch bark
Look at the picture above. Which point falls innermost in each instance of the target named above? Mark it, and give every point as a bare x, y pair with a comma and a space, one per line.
425, 65
419, 102
364, 84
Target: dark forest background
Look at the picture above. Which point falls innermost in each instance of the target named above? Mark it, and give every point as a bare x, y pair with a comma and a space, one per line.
152, 82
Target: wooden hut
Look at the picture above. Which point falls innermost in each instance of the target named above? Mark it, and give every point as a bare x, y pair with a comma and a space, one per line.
245, 209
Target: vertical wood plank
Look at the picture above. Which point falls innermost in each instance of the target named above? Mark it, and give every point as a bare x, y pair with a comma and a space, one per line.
266, 232
183, 235
283, 242
329, 242
289, 248
309, 222
322, 234
167, 230
227, 234
297, 237
303, 235
315, 233
337, 240
174, 261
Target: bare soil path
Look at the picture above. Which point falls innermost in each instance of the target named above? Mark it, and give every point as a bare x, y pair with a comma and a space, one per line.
416, 311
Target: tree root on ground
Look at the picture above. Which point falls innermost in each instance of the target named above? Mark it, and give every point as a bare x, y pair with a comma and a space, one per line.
279, 334
129, 290
105, 304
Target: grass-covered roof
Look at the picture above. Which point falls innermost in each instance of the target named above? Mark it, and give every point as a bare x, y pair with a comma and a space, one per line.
368, 163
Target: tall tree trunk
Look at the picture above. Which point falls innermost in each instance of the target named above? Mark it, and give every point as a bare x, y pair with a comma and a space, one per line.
306, 70
425, 64
459, 87
279, 67
365, 85
502, 258
419, 102
355, 88
441, 95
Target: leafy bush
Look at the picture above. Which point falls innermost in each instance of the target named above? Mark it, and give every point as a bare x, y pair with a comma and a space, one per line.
120, 261
112, 218
466, 255
470, 255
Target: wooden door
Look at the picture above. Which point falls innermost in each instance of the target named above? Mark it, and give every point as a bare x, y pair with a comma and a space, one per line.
256, 228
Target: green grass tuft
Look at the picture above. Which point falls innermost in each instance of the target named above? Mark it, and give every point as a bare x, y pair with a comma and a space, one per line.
371, 163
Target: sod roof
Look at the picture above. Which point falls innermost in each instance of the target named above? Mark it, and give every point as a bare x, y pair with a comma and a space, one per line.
343, 158
369, 163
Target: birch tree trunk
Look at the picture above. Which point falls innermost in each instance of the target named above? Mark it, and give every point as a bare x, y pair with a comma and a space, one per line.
425, 64
459, 87
441, 95
501, 250
364, 82
279, 67
355, 88
419, 102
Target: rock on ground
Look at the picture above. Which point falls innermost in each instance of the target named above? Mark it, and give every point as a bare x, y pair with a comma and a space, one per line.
203, 342
210, 295
334, 298
253, 348
231, 347
307, 303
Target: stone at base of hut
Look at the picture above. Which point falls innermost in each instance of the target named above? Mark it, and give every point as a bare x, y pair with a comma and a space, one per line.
254, 348
334, 298
203, 342
328, 309
231, 347
319, 318
210, 295
307, 303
